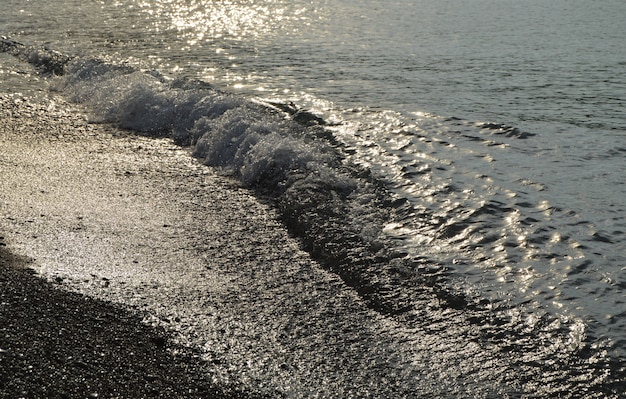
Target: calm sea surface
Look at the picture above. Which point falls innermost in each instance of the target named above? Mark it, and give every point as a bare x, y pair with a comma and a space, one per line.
501, 123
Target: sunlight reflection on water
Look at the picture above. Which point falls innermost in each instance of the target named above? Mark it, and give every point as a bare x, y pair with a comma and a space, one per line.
542, 216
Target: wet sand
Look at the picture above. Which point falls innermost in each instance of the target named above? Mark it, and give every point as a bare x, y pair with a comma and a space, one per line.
137, 222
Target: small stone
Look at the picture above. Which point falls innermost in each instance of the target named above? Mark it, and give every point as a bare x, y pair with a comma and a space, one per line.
159, 341
81, 364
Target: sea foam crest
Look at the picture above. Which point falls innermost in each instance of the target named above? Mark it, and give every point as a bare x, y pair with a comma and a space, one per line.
256, 143
47, 61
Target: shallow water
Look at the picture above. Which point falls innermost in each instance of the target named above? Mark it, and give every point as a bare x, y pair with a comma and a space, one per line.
493, 132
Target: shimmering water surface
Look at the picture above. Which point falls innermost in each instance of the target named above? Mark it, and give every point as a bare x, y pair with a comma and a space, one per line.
497, 127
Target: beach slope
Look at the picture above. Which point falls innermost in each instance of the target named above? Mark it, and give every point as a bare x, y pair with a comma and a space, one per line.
137, 222
58, 344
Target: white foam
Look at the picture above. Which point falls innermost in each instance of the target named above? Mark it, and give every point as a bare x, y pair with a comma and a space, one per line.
255, 143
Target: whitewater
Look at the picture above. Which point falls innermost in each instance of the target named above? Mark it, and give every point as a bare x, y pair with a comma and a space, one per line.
459, 168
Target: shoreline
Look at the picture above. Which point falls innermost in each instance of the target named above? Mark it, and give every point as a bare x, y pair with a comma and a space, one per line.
136, 222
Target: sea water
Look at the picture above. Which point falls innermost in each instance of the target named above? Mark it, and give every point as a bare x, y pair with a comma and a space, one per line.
474, 150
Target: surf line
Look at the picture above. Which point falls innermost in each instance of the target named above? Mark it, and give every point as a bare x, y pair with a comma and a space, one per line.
282, 153
47, 61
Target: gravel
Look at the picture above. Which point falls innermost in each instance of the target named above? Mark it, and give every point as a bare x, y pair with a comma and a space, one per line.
59, 344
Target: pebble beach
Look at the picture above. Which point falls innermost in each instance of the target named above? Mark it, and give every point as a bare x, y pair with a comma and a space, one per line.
123, 236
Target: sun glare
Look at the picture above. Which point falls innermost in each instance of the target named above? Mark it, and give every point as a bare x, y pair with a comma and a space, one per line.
199, 20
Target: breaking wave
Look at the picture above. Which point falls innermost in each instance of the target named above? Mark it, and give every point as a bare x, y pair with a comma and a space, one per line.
353, 212
283, 153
